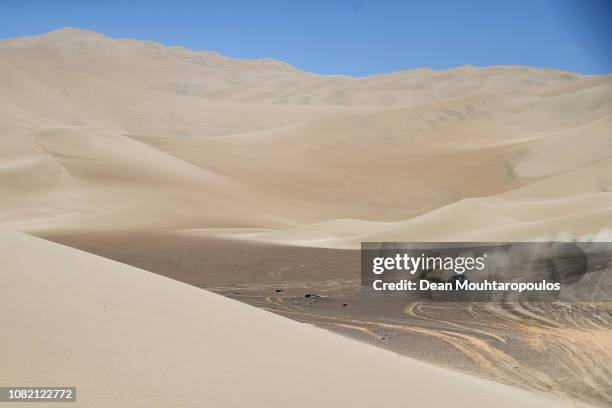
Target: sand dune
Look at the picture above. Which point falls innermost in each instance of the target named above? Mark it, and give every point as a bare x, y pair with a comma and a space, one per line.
138, 339
181, 71
119, 133
568, 206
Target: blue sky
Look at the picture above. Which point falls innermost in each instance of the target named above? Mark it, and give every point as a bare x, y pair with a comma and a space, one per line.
356, 37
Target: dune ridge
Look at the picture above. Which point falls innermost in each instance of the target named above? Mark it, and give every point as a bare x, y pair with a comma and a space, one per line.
139, 339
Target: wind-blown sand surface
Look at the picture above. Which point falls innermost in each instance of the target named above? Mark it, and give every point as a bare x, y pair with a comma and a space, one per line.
102, 133
128, 338
106, 141
558, 348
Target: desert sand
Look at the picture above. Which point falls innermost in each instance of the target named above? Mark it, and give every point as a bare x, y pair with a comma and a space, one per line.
560, 349
128, 338
103, 133
128, 148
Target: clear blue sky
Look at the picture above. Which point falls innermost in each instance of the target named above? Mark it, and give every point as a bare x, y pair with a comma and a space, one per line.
356, 37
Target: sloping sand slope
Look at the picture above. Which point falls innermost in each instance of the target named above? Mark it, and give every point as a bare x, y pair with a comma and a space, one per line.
102, 133
129, 338
569, 206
